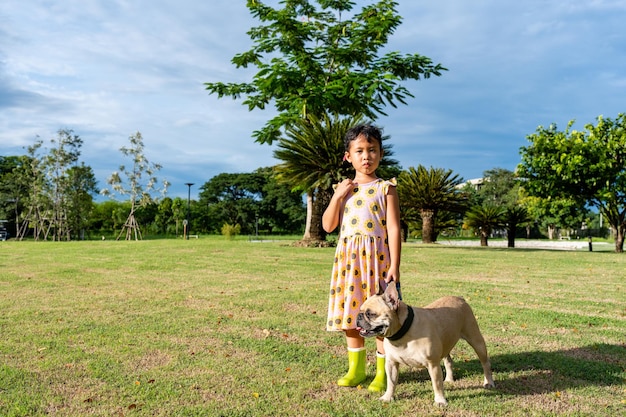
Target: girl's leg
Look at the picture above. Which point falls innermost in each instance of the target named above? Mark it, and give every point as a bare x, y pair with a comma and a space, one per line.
356, 360
354, 339
380, 346
379, 384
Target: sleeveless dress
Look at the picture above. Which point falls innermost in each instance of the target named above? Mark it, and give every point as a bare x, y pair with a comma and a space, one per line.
362, 254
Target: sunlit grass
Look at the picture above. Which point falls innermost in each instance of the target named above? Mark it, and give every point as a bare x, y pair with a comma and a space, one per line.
213, 327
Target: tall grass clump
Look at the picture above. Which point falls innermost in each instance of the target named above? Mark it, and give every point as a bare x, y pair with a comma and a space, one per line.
230, 231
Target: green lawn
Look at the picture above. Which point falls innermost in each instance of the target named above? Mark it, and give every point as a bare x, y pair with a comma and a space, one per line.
212, 327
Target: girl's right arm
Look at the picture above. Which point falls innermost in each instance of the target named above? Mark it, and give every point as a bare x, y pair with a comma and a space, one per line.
330, 219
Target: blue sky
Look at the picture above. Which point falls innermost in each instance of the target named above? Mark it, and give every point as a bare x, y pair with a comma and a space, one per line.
110, 68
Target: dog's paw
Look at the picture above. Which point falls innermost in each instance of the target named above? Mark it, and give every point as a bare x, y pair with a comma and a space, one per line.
489, 385
386, 398
440, 400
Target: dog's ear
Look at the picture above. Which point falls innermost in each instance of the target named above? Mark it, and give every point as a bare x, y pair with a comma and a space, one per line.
391, 296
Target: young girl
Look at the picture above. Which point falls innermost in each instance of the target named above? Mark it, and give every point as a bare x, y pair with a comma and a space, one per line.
368, 248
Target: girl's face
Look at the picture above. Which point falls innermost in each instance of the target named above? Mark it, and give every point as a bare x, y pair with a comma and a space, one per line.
364, 156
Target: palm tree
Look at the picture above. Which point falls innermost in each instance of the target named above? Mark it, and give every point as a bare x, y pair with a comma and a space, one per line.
430, 192
484, 219
312, 161
515, 216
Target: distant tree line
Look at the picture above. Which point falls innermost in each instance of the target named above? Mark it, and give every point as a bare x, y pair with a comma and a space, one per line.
43, 210
434, 202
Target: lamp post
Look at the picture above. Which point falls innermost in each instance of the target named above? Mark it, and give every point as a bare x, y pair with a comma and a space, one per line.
188, 184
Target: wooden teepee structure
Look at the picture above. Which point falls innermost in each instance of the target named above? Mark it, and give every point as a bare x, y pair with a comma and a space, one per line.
131, 227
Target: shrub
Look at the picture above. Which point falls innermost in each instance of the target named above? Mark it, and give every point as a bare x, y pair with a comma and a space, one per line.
230, 231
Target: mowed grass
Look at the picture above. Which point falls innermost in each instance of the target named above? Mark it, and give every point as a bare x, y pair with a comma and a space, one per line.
213, 327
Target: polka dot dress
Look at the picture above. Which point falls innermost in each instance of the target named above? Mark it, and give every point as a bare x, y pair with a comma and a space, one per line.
362, 255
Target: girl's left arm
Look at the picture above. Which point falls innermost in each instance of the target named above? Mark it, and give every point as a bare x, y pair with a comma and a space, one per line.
394, 234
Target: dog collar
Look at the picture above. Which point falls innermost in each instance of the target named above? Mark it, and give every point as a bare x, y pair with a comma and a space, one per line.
405, 326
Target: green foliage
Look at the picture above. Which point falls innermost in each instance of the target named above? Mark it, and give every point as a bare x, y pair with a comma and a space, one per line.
500, 187
587, 166
81, 186
281, 208
317, 57
431, 188
12, 188
484, 219
555, 213
107, 217
426, 193
248, 198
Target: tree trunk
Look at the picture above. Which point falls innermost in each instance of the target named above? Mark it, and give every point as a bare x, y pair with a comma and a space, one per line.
428, 226
405, 230
617, 221
484, 237
317, 201
309, 213
618, 232
551, 230
510, 236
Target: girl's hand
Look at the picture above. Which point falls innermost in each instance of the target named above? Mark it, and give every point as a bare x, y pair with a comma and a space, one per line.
344, 188
393, 275
332, 215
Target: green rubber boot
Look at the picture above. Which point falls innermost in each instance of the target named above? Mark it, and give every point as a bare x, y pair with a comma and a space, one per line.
379, 384
356, 368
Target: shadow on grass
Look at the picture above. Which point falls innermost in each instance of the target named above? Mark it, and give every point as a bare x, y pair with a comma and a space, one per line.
539, 372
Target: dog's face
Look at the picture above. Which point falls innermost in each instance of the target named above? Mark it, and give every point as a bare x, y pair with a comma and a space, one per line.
378, 313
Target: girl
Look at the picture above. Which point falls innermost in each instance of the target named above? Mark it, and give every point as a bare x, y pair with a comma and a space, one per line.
368, 247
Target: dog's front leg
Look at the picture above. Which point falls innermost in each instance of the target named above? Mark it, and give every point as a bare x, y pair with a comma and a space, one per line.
436, 376
391, 368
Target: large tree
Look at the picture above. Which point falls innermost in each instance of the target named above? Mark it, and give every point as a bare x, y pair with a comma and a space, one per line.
427, 193
587, 165
321, 57
315, 57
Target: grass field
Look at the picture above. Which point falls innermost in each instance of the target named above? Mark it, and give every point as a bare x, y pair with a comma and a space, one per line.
212, 327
